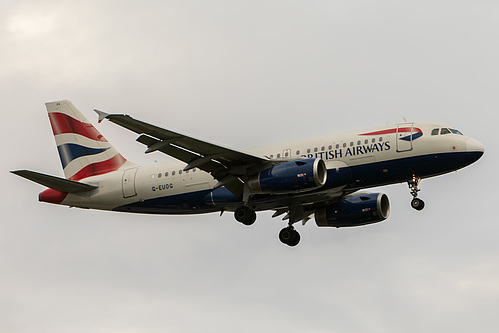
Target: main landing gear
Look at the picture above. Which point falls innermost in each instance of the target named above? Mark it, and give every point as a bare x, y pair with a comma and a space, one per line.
416, 203
289, 236
245, 215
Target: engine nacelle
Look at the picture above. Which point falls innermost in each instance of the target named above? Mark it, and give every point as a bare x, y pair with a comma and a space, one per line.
354, 211
290, 177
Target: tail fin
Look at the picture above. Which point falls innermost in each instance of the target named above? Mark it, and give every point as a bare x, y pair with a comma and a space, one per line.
84, 152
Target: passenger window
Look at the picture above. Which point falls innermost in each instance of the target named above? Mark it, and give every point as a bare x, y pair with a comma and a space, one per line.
358, 143
380, 138
166, 174
179, 172
351, 144
374, 140
444, 131
337, 146
330, 147
159, 175
271, 156
323, 148
434, 131
308, 151
345, 145
297, 152
194, 170
366, 141
173, 173
315, 150
278, 155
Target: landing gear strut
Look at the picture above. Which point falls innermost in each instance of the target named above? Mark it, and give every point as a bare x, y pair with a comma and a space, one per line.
245, 215
289, 236
416, 203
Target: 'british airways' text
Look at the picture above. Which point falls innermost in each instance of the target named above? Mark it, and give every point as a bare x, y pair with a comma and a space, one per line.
350, 151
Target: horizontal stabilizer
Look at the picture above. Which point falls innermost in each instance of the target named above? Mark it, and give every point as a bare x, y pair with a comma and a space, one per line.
55, 183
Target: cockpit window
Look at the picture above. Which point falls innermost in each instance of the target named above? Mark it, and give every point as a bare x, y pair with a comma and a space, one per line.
444, 131
455, 131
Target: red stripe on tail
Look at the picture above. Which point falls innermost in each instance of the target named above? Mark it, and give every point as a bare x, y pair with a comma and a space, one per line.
100, 168
62, 123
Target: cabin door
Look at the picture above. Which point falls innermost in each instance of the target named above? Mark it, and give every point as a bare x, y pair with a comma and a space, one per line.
129, 183
404, 137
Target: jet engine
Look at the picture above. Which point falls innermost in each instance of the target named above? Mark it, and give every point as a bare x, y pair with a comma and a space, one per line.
290, 177
354, 211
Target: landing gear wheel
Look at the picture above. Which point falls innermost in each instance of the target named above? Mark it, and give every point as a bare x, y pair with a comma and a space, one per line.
417, 204
289, 236
245, 215
296, 239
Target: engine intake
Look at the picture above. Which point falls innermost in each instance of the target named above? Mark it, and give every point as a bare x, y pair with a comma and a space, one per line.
290, 177
354, 211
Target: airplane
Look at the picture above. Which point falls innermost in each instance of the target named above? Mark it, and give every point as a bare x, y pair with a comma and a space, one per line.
323, 177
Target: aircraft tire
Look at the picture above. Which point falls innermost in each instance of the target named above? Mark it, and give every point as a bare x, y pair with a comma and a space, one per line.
296, 239
289, 236
417, 204
245, 215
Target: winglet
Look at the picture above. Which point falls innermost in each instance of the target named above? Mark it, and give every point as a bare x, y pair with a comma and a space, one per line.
102, 115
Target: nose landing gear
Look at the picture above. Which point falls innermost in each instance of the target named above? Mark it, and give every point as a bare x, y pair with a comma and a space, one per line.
416, 203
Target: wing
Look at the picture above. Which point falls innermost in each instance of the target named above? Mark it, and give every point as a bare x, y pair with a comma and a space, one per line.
227, 165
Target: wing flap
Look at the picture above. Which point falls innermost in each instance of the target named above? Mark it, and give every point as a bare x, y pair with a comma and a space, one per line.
194, 160
179, 153
55, 183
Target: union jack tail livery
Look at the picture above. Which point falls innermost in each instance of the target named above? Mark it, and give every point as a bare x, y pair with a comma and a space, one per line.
84, 152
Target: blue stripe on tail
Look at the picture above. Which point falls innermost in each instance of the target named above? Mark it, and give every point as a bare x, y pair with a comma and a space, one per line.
71, 151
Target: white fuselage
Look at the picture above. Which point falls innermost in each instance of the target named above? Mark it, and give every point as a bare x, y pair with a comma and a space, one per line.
375, 156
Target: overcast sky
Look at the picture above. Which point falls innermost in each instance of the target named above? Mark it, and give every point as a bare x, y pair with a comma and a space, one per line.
243, 74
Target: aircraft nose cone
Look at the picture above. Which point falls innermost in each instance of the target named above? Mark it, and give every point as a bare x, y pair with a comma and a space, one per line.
474, 150
473, 145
